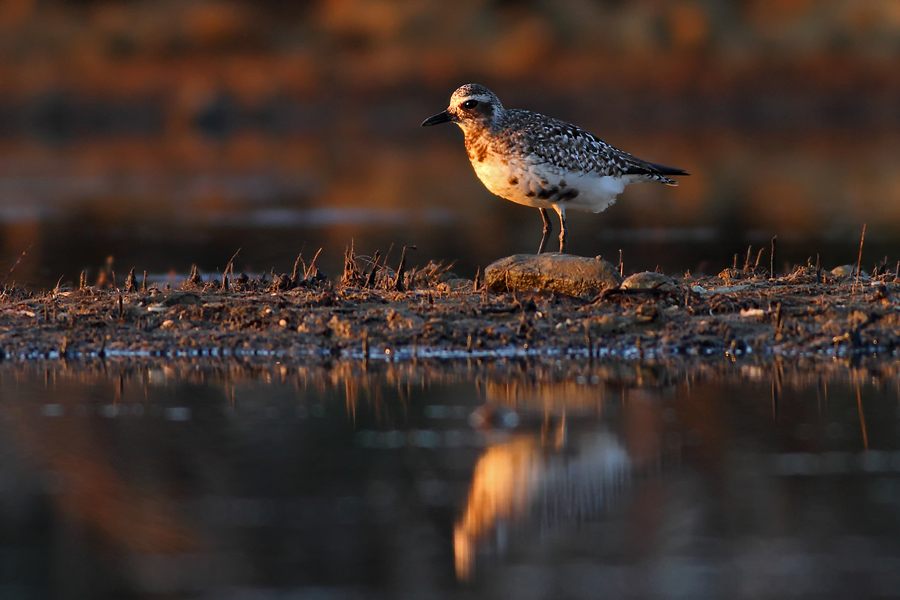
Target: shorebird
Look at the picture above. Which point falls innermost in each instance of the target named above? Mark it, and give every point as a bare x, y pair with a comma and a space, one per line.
539, 161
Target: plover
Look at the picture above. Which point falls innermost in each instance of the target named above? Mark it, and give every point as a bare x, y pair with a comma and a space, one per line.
543, 162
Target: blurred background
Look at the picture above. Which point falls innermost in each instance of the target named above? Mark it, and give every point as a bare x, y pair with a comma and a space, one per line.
167, 133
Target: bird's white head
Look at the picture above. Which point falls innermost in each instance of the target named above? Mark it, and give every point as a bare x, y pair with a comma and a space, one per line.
472, 106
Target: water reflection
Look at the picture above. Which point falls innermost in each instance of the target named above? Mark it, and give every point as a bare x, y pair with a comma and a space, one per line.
518, 481
532, 479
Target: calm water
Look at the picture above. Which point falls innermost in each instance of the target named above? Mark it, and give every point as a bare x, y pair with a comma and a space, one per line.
525, 480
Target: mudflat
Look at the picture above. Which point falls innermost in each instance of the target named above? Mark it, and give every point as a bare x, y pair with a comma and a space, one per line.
430, 313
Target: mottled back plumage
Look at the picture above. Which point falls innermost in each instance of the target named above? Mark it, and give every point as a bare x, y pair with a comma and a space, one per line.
539, 161
570, 148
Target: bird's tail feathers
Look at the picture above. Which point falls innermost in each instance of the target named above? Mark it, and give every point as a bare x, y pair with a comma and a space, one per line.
664, 170
654, 171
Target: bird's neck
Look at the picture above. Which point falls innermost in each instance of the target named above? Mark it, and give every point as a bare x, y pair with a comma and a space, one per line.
478, 142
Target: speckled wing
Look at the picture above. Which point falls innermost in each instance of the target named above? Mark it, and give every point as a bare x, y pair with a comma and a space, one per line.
571, 148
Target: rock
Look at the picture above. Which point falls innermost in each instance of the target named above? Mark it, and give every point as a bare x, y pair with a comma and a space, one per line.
844, 271
753, 313
175, 299
562, 273
848, 271
649, 281
728, 289
455, 285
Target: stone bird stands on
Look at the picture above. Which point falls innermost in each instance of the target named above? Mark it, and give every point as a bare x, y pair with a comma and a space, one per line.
562, 273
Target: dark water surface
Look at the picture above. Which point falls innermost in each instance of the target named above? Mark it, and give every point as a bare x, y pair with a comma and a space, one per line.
449, 480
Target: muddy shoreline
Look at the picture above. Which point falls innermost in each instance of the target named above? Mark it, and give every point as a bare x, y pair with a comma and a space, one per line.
431, 314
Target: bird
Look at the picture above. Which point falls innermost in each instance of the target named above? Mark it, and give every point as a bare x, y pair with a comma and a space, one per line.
543, 162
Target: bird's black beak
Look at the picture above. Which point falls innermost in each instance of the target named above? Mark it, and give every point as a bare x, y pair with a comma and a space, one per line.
441, 117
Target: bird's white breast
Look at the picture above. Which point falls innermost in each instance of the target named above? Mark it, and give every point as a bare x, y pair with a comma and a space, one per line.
516, 180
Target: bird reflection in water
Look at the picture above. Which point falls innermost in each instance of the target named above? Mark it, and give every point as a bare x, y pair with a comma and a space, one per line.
537, 479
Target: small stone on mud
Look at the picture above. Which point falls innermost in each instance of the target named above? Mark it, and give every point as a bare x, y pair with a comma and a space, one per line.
848, 271
176, 298
727, 289
561, 273
844, 271
649, 281
455, 285
752, 313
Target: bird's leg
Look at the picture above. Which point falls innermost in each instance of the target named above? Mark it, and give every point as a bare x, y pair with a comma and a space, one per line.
563, 234
548, 228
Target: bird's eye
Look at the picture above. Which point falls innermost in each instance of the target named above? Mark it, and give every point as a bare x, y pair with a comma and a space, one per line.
470, 104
